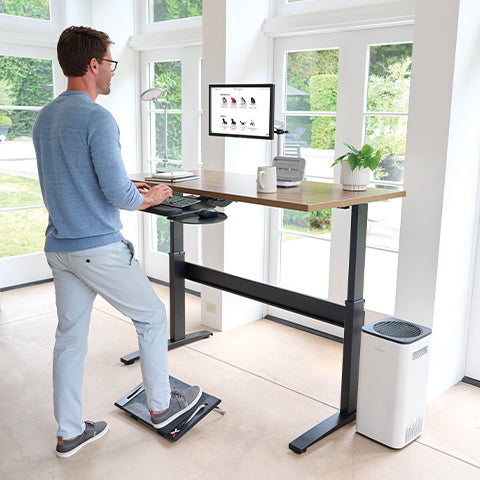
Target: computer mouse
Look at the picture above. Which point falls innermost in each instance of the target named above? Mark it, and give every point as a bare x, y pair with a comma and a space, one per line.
208, 213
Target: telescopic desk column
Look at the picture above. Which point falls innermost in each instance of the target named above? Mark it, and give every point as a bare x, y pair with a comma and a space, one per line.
177, 282
178, 337
354, 318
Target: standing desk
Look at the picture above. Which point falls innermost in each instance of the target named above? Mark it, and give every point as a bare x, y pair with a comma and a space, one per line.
307, 197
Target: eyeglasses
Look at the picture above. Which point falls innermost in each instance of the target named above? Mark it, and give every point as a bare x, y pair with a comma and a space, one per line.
113, 63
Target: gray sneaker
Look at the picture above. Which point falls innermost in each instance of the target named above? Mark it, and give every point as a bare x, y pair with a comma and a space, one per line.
181, 401
93, 431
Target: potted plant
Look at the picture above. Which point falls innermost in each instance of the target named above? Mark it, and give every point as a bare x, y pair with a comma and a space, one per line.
356, 166
5, 124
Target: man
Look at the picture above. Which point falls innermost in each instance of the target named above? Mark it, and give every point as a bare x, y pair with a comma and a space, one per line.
84, 184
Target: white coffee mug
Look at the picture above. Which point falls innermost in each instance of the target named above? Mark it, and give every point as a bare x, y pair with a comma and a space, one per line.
267, 179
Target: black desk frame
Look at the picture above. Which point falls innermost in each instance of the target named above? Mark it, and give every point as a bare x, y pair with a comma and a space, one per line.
349, 316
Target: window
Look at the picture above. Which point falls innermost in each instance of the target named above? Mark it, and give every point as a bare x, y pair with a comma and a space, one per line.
165, 115
177, 72
311, 104
26, 8
165, 133
358, 93
26, 84
310, 116
385, 118
387, 107
161, 10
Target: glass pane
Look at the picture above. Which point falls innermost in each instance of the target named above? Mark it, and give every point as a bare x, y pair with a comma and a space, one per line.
168, 75
389, 78
22, 231
161, 234
174, 136
314, 256
26, 8
383, 227
312, 78
312, 138
316, 223
21, 188
389, 133
380, 280
24, 82
16, 126
161, 10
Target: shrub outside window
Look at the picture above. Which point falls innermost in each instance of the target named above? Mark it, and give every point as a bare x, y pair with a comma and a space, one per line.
39, 9
162, 10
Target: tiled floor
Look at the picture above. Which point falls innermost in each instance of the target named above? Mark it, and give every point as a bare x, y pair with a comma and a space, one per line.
274, 382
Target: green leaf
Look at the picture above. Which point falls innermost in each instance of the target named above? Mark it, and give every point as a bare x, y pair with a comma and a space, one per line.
366, 150
353, 161
351, 148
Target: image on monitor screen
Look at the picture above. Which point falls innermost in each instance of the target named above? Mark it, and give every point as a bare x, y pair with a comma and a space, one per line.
244, 111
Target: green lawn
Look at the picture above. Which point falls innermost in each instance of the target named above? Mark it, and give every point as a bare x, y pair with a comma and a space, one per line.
19, 192
21, 231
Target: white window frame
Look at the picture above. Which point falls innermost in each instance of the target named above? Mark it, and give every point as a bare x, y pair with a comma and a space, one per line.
175, 32
350, 8
351, 94
156, 263
33, 31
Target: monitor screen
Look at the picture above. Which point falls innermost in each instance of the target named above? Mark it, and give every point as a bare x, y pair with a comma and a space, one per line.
244, 111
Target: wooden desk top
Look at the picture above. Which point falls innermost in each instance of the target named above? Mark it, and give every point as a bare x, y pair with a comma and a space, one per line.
307, 197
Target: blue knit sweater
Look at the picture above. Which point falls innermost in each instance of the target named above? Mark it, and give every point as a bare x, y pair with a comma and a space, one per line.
81, 172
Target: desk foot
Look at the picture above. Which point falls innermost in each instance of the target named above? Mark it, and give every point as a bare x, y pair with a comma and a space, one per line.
189, 338
328, 426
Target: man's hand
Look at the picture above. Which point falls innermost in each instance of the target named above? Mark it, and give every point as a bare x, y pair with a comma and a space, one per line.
142, 187
155, 195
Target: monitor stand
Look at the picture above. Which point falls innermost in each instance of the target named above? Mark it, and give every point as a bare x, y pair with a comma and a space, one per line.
135, 403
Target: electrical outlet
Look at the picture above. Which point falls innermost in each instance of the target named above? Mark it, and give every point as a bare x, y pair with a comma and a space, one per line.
210, 307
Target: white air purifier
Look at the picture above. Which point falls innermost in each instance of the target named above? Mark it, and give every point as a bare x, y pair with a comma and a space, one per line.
392, 382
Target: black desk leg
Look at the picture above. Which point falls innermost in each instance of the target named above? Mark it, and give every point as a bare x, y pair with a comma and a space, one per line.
177, 292
177, 297
354, 319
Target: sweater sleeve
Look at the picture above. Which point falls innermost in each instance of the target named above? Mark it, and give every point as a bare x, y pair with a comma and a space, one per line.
103, 140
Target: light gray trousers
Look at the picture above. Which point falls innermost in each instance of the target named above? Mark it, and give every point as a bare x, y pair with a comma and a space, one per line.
112, 272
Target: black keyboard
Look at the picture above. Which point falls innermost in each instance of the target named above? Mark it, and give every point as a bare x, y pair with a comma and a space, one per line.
180, 202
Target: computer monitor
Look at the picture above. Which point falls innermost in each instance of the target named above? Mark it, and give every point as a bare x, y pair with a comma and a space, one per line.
242, 110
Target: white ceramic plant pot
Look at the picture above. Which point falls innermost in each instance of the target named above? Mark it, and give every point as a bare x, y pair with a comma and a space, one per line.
356, 180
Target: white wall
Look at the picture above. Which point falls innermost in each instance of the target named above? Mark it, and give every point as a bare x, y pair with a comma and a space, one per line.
234, 51
439, 217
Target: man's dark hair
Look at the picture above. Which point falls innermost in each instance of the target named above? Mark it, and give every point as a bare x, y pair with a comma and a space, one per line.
77, 46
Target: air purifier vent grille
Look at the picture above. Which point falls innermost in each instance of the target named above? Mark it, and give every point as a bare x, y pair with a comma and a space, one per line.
414, 429
420, 353
396, 329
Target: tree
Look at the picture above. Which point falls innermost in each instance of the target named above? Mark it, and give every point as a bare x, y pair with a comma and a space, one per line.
389, 93
323, 94
301, 67
26, 8
173, 9
168, 76
26, 82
